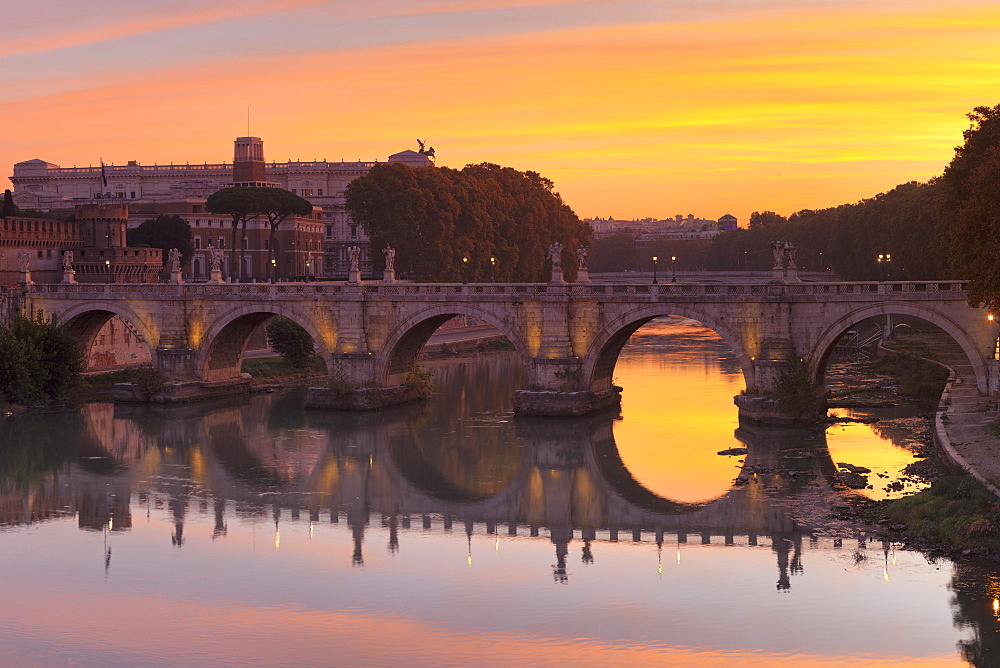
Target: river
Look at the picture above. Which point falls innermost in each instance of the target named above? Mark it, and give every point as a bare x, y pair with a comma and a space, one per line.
450, 532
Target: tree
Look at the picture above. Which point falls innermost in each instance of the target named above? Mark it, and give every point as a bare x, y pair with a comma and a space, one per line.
500, 220
972, 206
241, 205
280, 204
163, 232
290, 340
765, 218
9, 208
613, 253
38, 359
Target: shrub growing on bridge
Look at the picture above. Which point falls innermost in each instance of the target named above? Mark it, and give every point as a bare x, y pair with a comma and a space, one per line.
39, 360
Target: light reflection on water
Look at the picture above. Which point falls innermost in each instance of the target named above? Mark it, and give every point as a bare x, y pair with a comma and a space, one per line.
451, 533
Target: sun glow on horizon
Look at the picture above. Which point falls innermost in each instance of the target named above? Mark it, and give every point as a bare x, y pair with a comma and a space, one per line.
634, 109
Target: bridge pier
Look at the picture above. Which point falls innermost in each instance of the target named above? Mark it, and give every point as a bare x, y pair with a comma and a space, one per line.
352, 386
556, 389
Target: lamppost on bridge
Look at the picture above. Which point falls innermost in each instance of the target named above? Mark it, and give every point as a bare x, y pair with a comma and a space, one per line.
673, 268
883, 265
493, 269
107, 267
654, 269
465, 270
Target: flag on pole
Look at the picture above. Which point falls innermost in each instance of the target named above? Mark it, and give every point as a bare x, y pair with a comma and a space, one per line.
104, 177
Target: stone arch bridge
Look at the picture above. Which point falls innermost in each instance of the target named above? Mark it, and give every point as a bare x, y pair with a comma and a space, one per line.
568, 336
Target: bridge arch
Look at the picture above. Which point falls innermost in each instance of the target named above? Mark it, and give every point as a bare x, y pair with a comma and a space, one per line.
85, 320
408, 337
820, 355
221, 350
602, 355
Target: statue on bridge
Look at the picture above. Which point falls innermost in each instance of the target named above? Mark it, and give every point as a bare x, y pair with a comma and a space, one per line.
354, 255
69, 273
790, 249
215, 258
555, 254
784, 254
25, 259
778, 251
175, 260
390, 257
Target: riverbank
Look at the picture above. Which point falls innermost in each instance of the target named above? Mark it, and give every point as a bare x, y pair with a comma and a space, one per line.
958, 515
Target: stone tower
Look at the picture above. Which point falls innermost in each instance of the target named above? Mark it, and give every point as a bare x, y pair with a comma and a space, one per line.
102, 225
248, 161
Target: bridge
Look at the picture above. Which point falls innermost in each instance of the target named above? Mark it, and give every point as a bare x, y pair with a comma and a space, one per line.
568, 336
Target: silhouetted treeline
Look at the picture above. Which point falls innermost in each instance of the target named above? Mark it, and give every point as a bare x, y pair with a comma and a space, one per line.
905, 223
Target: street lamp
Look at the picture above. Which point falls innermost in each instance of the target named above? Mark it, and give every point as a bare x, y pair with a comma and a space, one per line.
883, 272
654, 269
274, 269
465, 270
107, 266
673, 268
493, 269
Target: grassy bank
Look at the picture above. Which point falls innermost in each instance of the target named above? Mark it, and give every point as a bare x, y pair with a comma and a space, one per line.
277, 370
955, 511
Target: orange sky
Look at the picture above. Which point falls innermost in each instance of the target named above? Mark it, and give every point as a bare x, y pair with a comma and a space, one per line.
634, 108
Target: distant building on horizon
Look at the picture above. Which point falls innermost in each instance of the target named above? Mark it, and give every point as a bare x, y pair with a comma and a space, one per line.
678, 227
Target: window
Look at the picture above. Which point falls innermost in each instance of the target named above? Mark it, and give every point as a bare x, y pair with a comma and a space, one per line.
246, 243
222, 242
295, 191
197, 223
319, 192
354, 230
307, 192
39, 255
197, 243
132, 194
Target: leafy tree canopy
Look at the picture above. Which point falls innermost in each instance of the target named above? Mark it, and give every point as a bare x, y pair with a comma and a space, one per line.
163, 232
764, 218
436, 216
38, 360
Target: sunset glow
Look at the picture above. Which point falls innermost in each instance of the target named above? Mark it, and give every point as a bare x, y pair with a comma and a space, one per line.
633, 108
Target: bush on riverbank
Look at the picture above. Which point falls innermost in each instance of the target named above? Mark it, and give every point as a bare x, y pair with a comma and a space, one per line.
956, 510
39, 360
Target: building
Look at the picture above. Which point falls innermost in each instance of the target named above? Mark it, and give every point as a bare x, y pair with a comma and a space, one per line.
150, 188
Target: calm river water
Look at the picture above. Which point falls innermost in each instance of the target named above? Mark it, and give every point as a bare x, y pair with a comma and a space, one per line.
452, 533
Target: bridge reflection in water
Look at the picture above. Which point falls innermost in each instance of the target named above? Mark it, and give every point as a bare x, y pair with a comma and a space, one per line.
459, 467
560, 480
